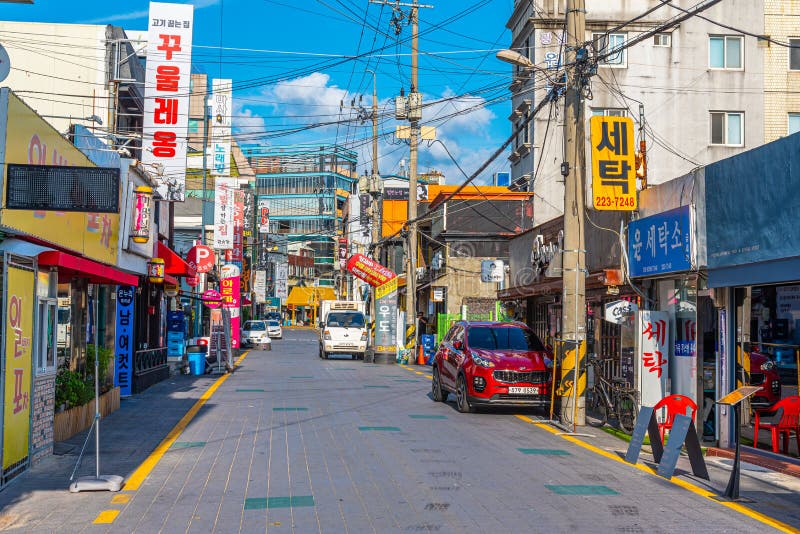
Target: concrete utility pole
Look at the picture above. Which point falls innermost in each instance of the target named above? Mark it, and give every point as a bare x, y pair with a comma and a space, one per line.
414, 116
573, 329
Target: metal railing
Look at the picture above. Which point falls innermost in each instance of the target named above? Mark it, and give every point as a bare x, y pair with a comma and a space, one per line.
149, 367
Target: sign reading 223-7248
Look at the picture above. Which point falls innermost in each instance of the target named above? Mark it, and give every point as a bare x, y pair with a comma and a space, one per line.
613, 164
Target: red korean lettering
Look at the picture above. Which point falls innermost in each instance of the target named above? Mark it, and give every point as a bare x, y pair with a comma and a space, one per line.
658, 330
167, 78
166, 111
164, 144
21, 398
169, 45
653, 361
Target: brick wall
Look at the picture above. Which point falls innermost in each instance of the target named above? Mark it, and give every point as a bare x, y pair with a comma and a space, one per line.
44, 392
780, 84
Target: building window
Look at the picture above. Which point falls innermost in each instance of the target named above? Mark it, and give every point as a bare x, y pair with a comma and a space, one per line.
526, 131
727, 128
794, 123
725, 52
609, 112
611, 44
794, 54
662, 40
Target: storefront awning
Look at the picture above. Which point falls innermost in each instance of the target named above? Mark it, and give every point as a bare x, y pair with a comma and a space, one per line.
174, 264
309, 296
751, 274
70, 266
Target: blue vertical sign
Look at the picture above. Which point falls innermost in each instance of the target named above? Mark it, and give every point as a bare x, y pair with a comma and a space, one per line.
660, 243
123, 346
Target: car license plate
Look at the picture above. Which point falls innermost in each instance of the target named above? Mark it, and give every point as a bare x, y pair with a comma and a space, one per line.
523, 391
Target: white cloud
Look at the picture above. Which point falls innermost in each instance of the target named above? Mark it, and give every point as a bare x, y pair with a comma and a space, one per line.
246, 121
309, 95
198, 4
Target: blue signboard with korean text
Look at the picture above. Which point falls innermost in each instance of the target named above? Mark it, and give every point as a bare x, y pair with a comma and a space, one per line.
660, 243
123, 346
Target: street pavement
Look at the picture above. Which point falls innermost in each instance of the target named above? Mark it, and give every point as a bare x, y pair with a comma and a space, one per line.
292, 443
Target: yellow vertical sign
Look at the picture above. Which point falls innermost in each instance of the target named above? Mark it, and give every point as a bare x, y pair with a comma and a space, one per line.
613, 164
19, 343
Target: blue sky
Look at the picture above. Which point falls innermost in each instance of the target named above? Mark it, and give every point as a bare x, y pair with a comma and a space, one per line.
293, 61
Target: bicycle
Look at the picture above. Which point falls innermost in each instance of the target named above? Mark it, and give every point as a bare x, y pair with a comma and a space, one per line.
610, 398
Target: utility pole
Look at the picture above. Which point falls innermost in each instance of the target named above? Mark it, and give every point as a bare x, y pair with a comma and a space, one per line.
410, 109
573, 329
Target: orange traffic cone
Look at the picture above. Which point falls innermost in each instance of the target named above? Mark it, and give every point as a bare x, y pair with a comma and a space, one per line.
420, 355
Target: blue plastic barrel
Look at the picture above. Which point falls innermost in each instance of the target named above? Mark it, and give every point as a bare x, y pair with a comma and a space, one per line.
197, 363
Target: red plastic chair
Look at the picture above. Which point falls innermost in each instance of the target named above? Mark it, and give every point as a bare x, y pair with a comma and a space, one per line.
781, 420
676, 405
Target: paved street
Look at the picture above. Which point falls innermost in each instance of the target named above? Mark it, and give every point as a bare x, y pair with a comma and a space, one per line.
292, 443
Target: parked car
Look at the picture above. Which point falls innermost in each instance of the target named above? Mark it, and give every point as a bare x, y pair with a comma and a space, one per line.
764, 373
255, 334
492, 364
274, 329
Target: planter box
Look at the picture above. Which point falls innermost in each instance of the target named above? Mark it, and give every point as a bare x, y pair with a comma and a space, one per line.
77, 419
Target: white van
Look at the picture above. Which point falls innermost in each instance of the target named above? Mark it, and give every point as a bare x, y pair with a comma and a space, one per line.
343, 328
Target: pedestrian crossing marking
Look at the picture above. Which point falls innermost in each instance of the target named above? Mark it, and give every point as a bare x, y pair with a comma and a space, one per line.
580, 489
106, 516
187, 444
294, 501
553, 452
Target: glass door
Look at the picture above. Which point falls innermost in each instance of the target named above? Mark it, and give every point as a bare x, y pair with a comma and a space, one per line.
46, 336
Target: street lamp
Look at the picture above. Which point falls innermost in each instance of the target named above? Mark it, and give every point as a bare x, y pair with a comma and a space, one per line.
515, 58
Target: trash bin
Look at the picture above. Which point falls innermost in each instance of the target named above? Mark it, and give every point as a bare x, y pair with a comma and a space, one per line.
197, 363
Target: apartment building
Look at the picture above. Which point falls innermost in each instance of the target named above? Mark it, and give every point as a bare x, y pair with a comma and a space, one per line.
696, 91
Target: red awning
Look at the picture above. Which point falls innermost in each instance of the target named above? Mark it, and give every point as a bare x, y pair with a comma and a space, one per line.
171, 280
70, 266
174, 264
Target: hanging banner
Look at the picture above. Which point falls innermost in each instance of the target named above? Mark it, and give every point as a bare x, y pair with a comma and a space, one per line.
19, 303
263, 213
166, 96
281, 281
230, 291
260, 287
342, 253
369, 270
224, 207
653, 355
386, 317
236, 254
123, 348
221, 102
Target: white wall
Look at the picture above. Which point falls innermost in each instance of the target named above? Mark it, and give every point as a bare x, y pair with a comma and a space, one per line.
50, 62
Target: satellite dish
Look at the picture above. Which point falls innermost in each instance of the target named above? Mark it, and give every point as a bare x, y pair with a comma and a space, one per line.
5, 63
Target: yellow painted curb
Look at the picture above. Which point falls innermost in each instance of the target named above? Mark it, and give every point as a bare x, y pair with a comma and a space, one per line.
138, 476
121, 498
749, 512
105, 517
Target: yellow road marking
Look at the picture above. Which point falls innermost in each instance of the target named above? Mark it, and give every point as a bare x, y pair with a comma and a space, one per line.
138, 476
749, 512
106, 516
120, 498
417, 372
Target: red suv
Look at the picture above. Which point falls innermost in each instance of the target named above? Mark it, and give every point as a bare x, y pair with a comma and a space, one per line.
492, 364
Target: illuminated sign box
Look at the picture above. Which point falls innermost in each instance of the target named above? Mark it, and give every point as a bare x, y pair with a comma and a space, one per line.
57, 188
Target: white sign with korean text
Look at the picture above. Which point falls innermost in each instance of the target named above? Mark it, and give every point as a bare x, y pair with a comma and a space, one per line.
260, 287
653, 355
166, 96
281, 281
221, 102
492, 271
223, 212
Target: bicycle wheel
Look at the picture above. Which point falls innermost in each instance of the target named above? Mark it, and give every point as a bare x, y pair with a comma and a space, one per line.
596, 409
626, 410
